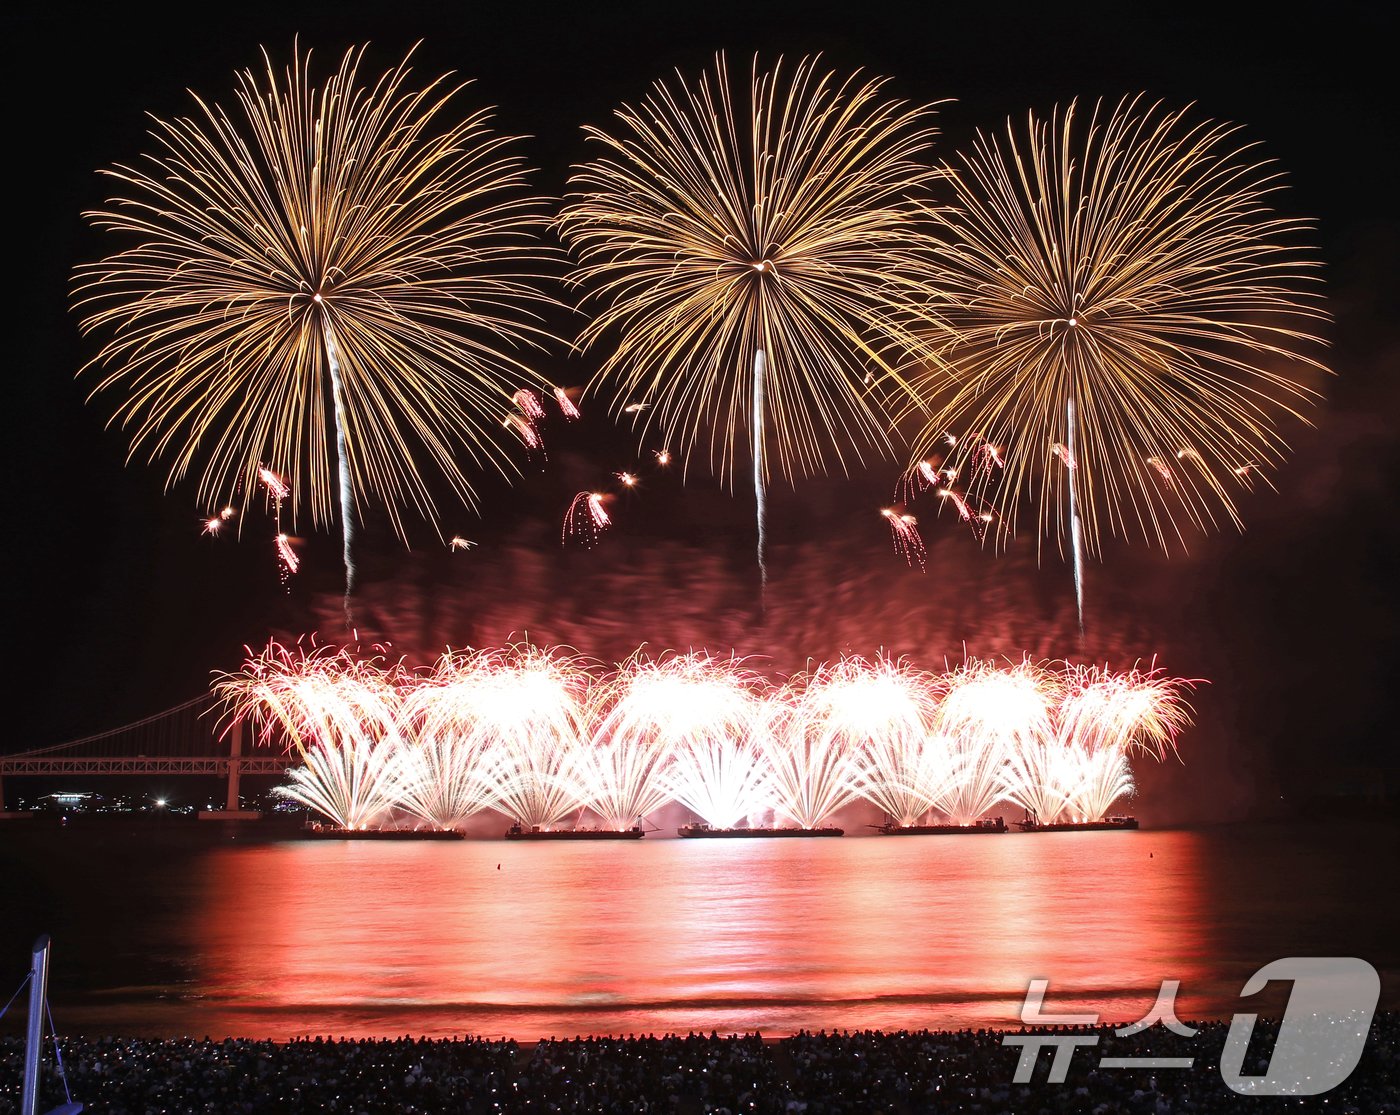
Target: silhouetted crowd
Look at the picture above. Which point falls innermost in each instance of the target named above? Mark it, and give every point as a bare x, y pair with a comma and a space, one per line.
860, 1073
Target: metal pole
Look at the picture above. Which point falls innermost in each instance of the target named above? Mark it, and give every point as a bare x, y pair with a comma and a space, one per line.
34, 1034
234, 768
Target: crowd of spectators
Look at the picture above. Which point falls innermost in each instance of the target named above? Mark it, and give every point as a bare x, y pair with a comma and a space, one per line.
861, 1073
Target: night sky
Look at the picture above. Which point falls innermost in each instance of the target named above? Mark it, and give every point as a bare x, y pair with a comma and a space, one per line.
118, 608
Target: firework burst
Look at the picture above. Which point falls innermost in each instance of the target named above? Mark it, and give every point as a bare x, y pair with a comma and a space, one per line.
340, 711
708, 714
1124, 288
904, 531
851, 727
586, 519
336, 249
755, 252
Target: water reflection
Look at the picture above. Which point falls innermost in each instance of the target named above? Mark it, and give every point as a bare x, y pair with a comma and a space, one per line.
534, 940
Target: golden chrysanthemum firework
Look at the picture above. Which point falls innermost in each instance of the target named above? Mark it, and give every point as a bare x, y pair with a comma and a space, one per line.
1133, 321
781, 220
340, 261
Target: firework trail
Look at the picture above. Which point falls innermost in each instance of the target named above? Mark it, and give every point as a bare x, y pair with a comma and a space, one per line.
290, 563
347, 490
756, 254
586, 519
1162, 469
529, 404
1129, 264
1076, 531
276, 487
918, 478
336, 238
527, 431
566, 405
908, 543
760, 492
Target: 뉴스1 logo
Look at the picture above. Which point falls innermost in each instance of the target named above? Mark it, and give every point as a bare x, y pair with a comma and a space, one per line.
1319, 1042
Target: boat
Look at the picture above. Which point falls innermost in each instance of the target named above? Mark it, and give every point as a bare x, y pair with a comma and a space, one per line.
516, 832
1111, 822
334, 832
977, 828
707, 832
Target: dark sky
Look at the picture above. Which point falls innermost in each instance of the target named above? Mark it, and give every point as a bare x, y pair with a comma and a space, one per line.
118, 607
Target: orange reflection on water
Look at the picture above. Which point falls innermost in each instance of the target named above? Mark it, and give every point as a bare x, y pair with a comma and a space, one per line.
658, 935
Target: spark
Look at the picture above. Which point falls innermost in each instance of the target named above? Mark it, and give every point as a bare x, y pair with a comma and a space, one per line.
529, 404
460, 543
635, 408
626, 479
288, 556
586, 518
276, 486
1162, 469
525, 429
663, 457
567, 407
908, 543
212, 526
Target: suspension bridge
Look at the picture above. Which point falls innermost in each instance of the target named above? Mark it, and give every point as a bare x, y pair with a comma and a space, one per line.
184, 740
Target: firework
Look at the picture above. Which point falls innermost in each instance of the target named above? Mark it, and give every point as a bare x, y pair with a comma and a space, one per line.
567, 407
1162, 469
626, 479
339, 711
338, 248
586, 519
1126, 272
460, 543
904, 530
621, 774
852, 727
213, 526
526, 430
663, 457
539, 735
287, 556
707, 714
997, 723
733, 236
276, 487
529, 403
